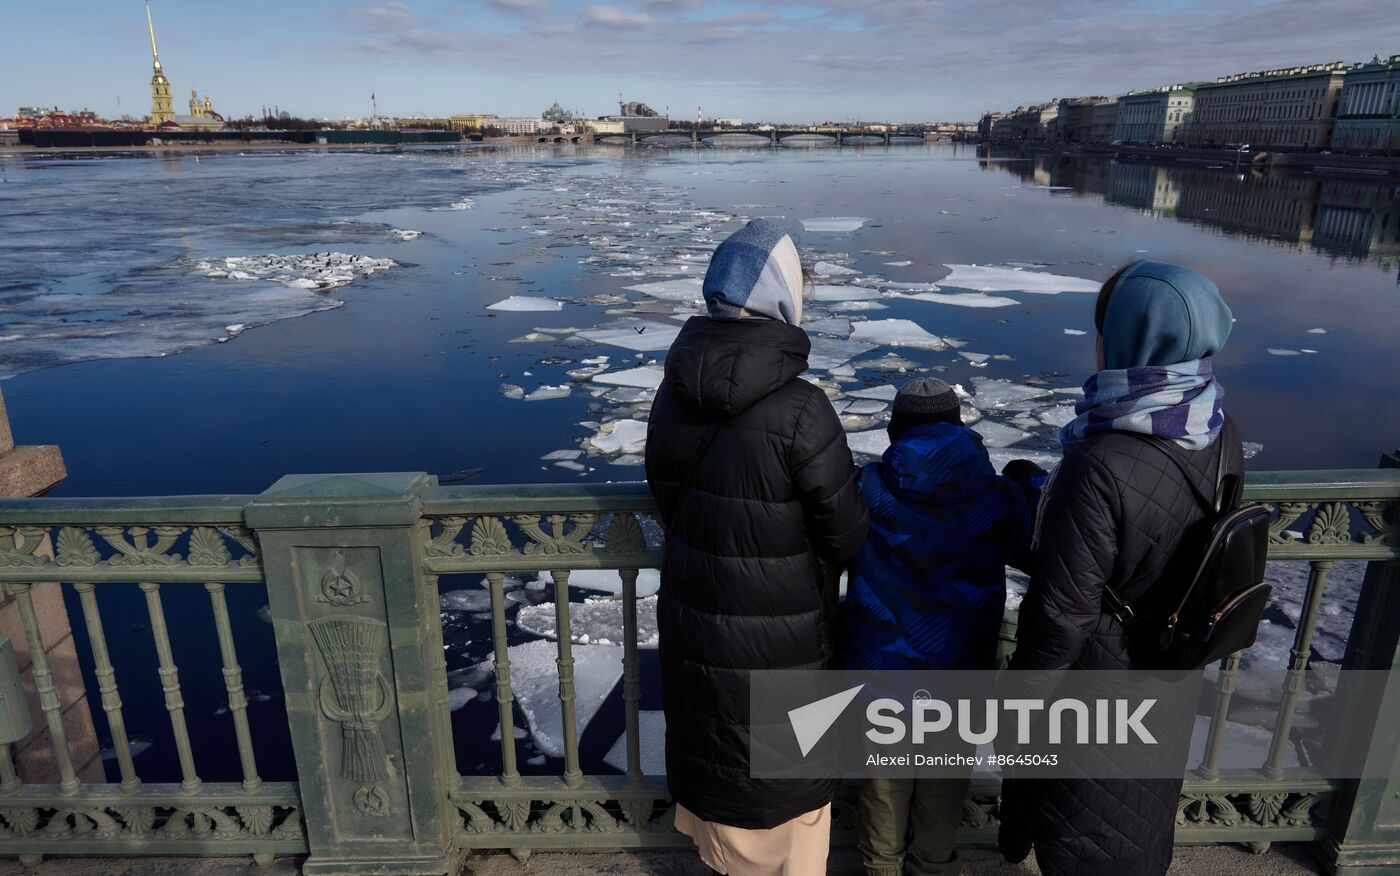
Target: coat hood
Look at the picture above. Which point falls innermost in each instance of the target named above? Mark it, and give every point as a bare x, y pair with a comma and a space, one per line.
723, 366
937, 464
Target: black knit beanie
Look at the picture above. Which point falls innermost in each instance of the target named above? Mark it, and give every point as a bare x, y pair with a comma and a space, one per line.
924, 400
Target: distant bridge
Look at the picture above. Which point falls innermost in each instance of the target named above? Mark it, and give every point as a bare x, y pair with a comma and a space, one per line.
774, 136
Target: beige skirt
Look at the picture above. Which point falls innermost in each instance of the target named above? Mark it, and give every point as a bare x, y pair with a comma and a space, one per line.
793, 848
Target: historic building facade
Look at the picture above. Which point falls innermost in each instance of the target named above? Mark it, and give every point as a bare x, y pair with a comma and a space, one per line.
1291, 108
1156, 115
1368, 111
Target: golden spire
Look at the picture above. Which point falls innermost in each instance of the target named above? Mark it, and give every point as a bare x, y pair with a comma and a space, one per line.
150, 25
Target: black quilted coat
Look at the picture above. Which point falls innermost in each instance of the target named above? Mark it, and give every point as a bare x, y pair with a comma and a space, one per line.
1113, 514
753, 552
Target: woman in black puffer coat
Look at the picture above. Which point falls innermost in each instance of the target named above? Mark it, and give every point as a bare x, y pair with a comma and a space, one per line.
754, 545
1112, 516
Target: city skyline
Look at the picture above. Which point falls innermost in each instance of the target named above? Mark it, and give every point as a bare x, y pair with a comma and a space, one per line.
798, 60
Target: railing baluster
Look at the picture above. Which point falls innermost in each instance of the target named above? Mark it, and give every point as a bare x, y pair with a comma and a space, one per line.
48, 694
107, 686
573, 775
1210, 761
9, 779
1297, 664
510, 776
631, 679
170, 684
233, 683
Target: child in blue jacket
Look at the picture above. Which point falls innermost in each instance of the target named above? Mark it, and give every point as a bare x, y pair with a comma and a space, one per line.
927, 591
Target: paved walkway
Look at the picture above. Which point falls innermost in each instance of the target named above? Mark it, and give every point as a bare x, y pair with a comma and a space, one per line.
1288, 860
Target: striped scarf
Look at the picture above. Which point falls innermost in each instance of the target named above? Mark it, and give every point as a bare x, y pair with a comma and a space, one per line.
1179, 402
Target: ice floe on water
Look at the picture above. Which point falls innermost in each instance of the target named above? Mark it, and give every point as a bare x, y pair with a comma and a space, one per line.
844, 293
535, 682
405, 233
834, 224
618, 436
1277, 351
683, 289
651, 728
984, 278
645, 377
829, 269
595, 621
643, 336
898, 333
969, 299
315, 271
526, 304
547, 392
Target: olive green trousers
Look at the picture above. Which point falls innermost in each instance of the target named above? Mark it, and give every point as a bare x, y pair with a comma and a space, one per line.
909, 827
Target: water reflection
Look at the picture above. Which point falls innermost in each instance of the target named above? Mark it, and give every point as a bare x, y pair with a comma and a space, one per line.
1350, 219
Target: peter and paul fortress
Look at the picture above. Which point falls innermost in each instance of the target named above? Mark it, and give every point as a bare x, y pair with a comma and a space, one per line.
201, 116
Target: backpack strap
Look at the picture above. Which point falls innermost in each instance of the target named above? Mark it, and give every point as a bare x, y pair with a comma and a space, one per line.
1121, 608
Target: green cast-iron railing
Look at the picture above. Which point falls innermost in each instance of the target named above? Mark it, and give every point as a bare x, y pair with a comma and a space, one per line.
351, 565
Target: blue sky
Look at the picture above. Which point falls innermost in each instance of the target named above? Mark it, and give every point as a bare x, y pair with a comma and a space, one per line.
794, 60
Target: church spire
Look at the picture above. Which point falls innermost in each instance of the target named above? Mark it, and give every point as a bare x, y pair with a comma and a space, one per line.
162, 107
150, 25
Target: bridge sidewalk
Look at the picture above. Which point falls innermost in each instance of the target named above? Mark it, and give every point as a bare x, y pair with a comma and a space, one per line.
1287, 860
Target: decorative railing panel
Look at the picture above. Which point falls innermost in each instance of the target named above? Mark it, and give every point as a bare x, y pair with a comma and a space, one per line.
352, 564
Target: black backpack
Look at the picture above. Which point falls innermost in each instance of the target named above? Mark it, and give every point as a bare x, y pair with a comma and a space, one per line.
1208, 604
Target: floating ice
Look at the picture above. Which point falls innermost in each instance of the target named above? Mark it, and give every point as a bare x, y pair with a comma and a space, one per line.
885, 392
605, 581
546, 392
524, 303
535, 678
897, 333
511, 391
1057, 416
887, 362
463, 204
996, 434
865, 406
1317, 331
829, 325
975, 358
465, 600
1075, 332
625, 436
963, 300
982, 278
1001, 456
828, 269
405, 234
1275, 351
871, 443
235, 328
686, 289
834, 224
596, 620
562, 454
845, 293
910, 287
532, 338
313, 271
651, 725
639, 335
990, 393
857, 305
646, 377
1252, 449
900, 264
830, 353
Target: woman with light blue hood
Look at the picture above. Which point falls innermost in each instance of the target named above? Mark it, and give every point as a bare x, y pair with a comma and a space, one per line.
1144, 460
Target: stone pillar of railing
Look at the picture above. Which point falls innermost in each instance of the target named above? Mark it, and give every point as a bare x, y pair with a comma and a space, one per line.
32, 470
1364, 824
354, 619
